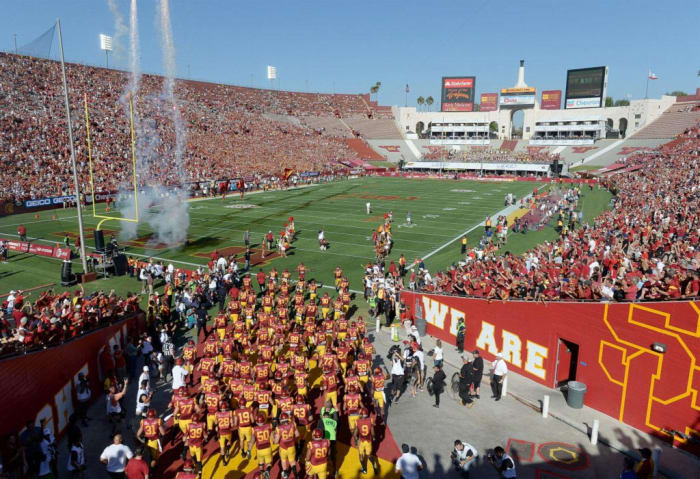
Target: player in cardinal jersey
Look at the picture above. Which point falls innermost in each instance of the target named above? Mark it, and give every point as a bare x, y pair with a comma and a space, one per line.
329, 382
188, 471
212, 401
302, 414
364, 436
220, 324
225, 422
317, 456
244, 421
152, 429
196, 431
184, 409
287, 435
378, 380
352, 402
262, 437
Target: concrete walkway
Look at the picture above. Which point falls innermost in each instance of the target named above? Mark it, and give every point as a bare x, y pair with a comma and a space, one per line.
516, 421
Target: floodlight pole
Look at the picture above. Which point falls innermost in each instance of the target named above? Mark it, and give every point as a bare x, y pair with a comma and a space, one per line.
107, 58
72, 152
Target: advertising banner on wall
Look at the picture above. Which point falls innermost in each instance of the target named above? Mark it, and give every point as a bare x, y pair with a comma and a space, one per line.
458, 93
551, 100
517, 100
488, 102
607, 346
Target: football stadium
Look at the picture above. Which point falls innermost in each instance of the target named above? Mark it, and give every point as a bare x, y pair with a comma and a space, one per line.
203, 278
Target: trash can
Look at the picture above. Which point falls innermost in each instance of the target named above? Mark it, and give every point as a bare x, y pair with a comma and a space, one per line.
421, 326
575, 392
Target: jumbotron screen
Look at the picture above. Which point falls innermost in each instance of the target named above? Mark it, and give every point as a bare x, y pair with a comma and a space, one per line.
587, 84
457, 94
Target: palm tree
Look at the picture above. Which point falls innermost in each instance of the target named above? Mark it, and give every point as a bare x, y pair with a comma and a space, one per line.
429, 101
373, 90
420, 100
378, 85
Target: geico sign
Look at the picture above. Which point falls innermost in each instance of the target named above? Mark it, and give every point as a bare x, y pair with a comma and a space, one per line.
509, 343
41, 202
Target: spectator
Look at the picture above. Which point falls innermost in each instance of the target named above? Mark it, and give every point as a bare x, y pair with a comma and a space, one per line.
137, 467
408, 464
115, 457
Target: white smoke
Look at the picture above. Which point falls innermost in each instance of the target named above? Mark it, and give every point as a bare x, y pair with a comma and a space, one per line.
134, 49
120, 30
162, 202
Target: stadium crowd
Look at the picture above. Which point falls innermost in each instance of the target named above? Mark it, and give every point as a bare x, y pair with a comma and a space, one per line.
55, 318
479, 154
644, 248
228, 129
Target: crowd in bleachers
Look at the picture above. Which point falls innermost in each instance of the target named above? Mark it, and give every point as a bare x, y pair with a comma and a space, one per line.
227, 133
645, 248
55, 318
489, 155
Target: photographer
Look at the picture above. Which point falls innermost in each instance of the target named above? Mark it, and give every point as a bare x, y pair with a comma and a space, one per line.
503, 463
463, 457
83, 395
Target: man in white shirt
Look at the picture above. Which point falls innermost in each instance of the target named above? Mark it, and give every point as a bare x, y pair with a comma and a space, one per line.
408, 464
179, 374
500, 369
397, 373
369, 207
464, 456
221, 264
115, 457
145, 376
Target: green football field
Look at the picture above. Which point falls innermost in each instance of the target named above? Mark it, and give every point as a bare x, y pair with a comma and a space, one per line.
442, 211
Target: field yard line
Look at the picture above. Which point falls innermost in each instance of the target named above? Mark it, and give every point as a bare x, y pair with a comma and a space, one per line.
39, 221
184, 262
503, 212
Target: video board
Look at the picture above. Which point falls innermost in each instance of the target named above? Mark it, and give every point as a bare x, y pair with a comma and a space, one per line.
457, 94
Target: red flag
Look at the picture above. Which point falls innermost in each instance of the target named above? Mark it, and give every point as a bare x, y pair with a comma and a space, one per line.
287, 173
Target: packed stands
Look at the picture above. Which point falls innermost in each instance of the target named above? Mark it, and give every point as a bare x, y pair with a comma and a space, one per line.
230, 130
645, 248
56, 318
678, 118
489, 155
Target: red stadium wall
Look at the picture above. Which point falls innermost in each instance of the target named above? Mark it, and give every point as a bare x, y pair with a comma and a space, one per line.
43, 384
625, 378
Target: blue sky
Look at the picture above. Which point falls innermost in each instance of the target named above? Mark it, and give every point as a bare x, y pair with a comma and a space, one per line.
346, 46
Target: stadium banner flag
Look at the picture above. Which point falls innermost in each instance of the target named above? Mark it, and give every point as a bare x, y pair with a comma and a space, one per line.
488, 102
551, 100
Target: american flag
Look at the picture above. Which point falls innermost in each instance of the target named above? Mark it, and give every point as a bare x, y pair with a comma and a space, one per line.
652, 76
407, 89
